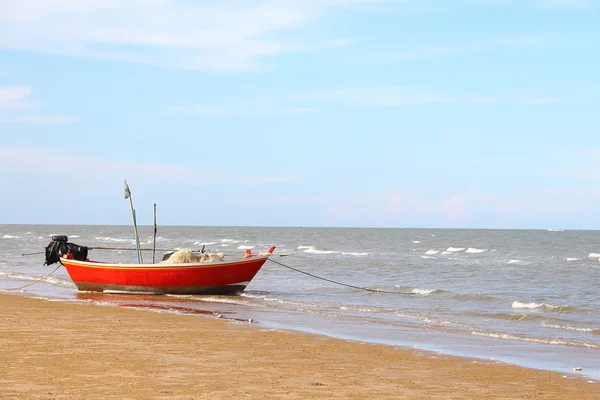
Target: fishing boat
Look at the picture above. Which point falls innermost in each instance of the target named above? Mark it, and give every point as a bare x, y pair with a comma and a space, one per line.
203, 274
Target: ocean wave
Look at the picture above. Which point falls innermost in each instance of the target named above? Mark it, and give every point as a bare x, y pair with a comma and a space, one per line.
243, 247
314, 250
509, 316
474, 250
594, 255
572, 259
231, 241
11, 237
426, 292
204, 243
428, 258
556, 230
416, 241
506, 336
429, 320
474, 297
455, 249
534, 306
48, 279
572, 328
366, 309
111, 239
518, 262
432, 252
446, 252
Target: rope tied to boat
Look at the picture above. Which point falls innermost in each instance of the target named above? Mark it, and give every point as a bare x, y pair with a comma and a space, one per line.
366, 289
39, 280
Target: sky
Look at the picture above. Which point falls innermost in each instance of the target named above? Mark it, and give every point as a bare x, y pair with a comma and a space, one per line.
315, 113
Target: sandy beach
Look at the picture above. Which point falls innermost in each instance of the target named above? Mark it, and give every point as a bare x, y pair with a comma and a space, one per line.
57, 350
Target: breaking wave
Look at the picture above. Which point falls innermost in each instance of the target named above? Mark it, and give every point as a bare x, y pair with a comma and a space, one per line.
535, 306
455, 249
314, 250
572, 328
48, 279
534, 340
473, 250
518, 262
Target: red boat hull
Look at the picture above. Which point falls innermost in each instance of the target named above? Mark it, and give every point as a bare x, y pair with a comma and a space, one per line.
229, 277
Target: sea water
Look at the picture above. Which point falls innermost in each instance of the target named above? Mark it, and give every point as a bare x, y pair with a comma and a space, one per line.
526, 297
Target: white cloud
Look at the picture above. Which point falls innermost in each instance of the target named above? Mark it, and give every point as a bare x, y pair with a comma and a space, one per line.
225, 34
17, 107
35, 162
397, 96
256, 110
15, 97
383, 96
478, 46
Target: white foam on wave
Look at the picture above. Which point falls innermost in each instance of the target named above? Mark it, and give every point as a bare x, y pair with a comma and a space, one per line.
360, 309
48, 279
534, 340
230, 241
428, 258
455, 249
534, 306
572, 259
432, 252
518, 262
416, 241
111, 239
204, 243
594, 255
313, 250
11, 237
423, 292
571, 328
356, 254
474, 250
242, 247
446, 252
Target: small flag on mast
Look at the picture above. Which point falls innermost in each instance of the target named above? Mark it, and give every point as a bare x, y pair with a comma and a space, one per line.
127, 191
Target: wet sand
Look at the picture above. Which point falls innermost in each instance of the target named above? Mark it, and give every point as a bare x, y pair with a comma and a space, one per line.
57, 350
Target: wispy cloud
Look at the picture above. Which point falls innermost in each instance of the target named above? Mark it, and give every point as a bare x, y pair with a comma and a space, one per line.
397, 96
563, 3
471, 47
17, 107
35, 161
382, 96
219, 34
15, 97
250, 110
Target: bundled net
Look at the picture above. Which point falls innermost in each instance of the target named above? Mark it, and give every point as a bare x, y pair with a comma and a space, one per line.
187, 256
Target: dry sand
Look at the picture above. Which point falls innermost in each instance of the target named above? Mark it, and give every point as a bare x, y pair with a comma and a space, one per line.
55, 350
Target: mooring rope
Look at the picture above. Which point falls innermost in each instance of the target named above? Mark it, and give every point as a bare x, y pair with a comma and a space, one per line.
39, 280
338, 283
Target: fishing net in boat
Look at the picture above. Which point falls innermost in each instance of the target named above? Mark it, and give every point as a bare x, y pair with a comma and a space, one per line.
187, 256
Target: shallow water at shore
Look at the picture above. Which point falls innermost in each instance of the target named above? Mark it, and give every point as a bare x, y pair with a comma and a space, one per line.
518, 296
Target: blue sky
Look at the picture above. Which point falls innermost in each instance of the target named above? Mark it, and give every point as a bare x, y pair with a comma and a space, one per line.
367, 113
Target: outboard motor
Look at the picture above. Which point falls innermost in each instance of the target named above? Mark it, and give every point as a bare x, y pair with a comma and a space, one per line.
60, 246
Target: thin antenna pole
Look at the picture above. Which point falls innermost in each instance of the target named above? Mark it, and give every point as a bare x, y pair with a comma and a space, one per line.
154, 245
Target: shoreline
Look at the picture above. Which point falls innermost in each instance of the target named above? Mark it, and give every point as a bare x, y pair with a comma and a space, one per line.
72, 350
